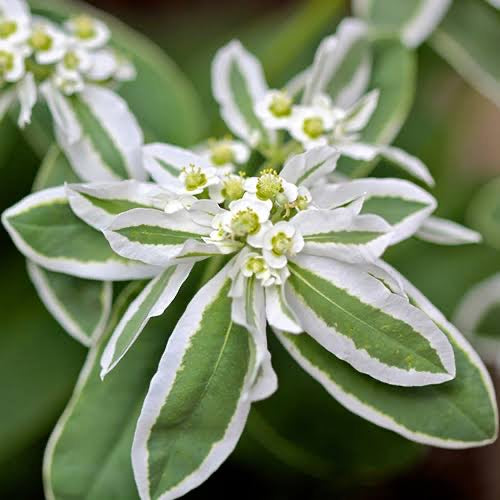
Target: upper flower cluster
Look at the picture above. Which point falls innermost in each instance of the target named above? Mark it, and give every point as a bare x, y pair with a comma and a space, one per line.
35, 50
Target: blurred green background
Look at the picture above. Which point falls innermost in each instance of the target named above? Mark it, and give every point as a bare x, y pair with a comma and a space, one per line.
299, 444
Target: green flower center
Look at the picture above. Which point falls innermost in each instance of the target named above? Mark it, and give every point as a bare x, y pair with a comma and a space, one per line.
232, 188
40, 40
301, 203
269, 185
256, 265
314, 127
6, 61
7, 28
195, 178
281, 105
84, 27
71, 61
245, 222
281, 244
222, 154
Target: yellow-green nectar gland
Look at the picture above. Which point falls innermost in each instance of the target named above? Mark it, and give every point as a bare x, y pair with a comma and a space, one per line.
7, 28
232, 188
221, 154
195, 178
281, 105
256, 265
269, 185
245, 222
84, 27
281, 243
40, 40
313, 127
71, 61
301, 203
6, 61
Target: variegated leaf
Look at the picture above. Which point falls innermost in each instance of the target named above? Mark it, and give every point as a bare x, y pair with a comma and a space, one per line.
45, 230
98, 204
98, 133
238, 82
154, 237
358, 318
198, 400
80, 306
402, 204
342, 64
151, 302
412, 20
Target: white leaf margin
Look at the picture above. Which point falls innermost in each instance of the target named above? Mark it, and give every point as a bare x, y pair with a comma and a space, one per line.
63, 317
161, 385
111, 270
369, 413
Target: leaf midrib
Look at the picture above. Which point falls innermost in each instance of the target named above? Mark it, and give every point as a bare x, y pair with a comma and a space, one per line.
370, 327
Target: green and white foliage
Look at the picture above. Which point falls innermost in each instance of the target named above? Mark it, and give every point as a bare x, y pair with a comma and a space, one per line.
37, 53
477, 316
46, 231
458, 414
412, 20
297, 246
327, 113
80, 306
465, 33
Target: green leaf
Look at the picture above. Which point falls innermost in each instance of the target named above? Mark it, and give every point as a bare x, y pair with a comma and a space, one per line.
78, 467
394, 73
320, 438
458, 414
484, 213
412, 20
357, 318
198, 400
151, 302
54, 171
468, 39
160, 90
80, 306
45, 230
478, 314
38, 364
238, 82
156, 237
341, 66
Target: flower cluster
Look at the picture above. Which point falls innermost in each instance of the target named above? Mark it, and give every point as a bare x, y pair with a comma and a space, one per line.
319, 123
35, 51
293, 246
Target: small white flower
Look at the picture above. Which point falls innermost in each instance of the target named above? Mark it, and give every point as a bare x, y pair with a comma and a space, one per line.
47, 42
196, 179
256, 265
246, 220
270, 186
225, 155
311, 124
72, 68
14, 29
107, 64
275, 109
12, 57
281, 241
90, 33
230, 188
